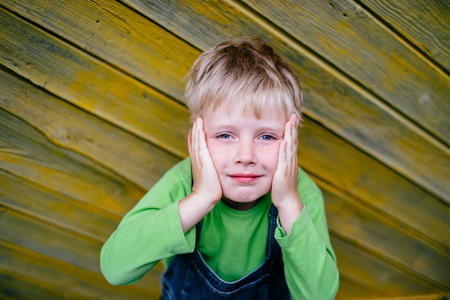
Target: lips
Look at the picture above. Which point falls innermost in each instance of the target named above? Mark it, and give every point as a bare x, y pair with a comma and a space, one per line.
244, 178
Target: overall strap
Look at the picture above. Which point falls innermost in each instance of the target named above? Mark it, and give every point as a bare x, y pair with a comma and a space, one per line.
198, 229
273, 249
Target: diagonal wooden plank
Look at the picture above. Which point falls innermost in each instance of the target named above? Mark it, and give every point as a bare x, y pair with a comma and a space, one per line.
59, 275
27, 153
331, 99
333, 161
94, 86
355, 222
120, 33
354, 41
390, 141
74, 129
337, 162
49, 240
425, 23
49, 205
14, 286
351, 289
359, 266
355, 116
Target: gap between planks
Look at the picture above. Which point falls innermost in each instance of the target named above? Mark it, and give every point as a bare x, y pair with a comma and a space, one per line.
404, 40
345, 78
316, 58
92, 277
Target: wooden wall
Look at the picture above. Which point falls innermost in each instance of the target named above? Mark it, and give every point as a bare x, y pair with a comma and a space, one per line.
92, 114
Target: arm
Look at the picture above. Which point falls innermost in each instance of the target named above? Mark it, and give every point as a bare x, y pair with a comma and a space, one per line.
160, 225
309, 260
207, 190
150, 231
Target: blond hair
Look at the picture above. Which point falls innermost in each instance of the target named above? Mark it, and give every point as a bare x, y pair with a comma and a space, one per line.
242, 71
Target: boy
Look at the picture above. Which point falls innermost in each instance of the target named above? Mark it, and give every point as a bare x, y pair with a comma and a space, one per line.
238, 219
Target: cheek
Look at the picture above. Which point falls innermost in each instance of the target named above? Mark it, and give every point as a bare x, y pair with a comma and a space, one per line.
217, 151
270, 156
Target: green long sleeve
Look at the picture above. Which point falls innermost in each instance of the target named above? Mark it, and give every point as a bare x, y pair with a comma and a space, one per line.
232, 242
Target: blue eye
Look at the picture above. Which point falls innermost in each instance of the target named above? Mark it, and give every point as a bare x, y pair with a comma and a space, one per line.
224, 136
267, 137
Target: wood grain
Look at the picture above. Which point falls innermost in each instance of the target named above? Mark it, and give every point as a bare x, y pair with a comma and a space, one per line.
351, 113
50, 241
351, 220
344, 33
91, 116
26, 153
13, 286
71, 128
340, 164
122, 37
350, 289
51, 206
321, 152
369, 271
423, 23
58, 275
93, 85
335, 102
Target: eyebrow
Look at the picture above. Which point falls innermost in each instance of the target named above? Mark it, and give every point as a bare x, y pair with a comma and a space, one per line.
234, 127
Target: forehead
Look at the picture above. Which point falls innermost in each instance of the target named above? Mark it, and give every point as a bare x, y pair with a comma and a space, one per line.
238, 116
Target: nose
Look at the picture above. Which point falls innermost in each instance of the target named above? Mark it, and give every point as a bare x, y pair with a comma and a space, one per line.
245, 153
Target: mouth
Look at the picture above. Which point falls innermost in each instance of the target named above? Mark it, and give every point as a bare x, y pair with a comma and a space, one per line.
244, 178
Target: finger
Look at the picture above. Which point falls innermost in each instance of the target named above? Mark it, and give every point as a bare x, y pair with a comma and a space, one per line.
201, 137
289, 148
282, 157
195, 141
190, 142
292, 146
295, 146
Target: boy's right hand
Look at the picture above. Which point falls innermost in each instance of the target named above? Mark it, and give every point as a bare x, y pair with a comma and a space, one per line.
206, 191
206, 180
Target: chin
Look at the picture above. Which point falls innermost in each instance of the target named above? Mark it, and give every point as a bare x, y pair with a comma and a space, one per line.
245, 196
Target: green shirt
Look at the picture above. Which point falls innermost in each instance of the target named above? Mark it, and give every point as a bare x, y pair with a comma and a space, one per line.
233, 243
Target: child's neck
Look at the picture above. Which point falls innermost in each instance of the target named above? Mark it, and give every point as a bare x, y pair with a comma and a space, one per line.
240, 206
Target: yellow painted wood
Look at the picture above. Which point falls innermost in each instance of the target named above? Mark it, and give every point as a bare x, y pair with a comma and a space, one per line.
85, 142
349, 289
125, 38
344, 33
93, 85
337, 162
369, 271
445, 296
358, 112
51, 206
331, 98
13, 287
54, 242
424, 23
27, 153
225, 19
430, 215
81, 132
366, 228
181, 138
47, 178
58, 275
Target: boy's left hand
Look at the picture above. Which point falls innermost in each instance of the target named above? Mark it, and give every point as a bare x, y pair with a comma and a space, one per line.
284, 184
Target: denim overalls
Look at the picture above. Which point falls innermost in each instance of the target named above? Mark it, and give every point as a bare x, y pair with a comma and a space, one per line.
189, 277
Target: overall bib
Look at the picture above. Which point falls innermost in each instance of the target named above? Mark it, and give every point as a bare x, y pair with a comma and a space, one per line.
189, 277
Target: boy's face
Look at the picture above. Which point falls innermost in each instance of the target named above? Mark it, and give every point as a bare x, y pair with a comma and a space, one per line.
244, 150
